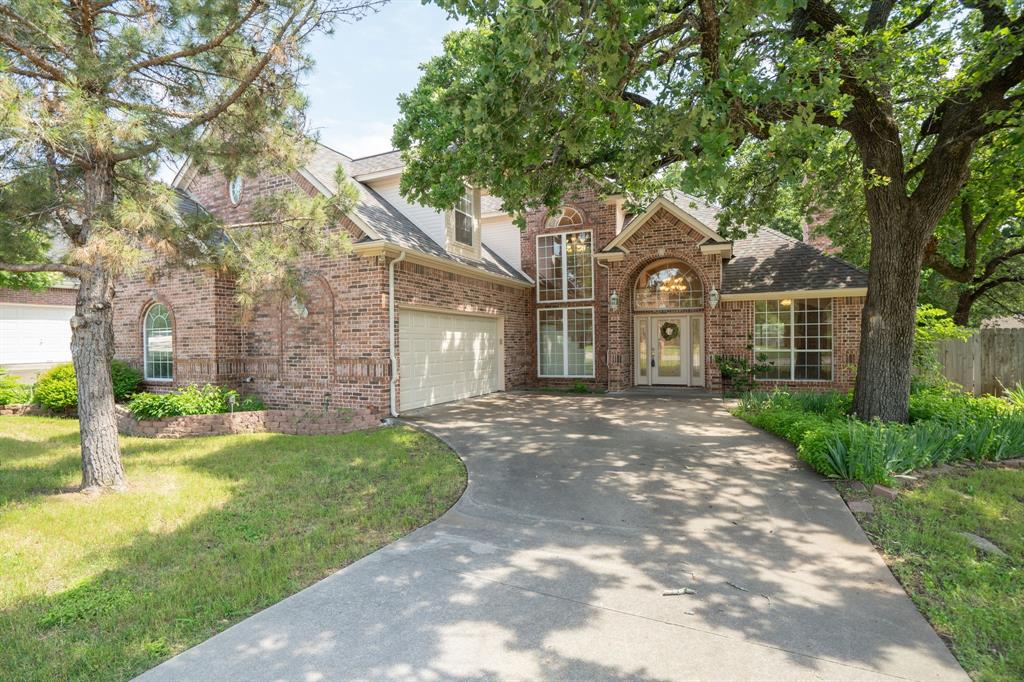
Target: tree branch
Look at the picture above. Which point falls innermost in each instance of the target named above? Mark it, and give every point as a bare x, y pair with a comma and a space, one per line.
194, 50
69, 270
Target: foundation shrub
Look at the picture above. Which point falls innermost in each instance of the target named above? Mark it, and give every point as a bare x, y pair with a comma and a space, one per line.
946, 426
11, 392
188, 400
57, 388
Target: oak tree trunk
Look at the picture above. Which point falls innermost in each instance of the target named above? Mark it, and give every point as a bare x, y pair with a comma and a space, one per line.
889, 317
92, 349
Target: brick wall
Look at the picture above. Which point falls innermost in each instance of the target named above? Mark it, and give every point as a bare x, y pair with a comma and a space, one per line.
598, 217
426, 287
50, 296
728, 329
298, 422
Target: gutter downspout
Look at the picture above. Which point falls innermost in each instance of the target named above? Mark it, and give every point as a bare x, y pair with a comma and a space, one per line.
607, 327
391, 329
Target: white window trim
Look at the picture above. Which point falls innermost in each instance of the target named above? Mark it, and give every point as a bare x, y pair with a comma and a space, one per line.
793, 351
453, 245
565, 270
565, 342
145, 347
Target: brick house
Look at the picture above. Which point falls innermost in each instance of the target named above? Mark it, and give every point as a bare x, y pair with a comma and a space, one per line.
462, 302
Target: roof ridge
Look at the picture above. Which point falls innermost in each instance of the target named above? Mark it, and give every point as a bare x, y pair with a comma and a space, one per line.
332, 149
370, 156
816, 249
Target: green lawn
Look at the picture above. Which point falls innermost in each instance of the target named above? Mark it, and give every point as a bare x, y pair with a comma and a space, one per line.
212, 530
974, 600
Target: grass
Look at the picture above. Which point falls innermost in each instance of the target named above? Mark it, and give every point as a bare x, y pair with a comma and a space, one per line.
211, 531
974, 600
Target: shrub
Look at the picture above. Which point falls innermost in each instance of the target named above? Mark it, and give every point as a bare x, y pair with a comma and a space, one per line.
57, 389
739, 373
191, 400
933, 325
126, 380
11, 392
947, 426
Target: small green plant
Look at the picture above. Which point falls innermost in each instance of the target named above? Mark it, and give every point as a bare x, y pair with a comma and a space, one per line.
1014, 396
740, 373
187, 400
57, 388
579, 387
933, 325
11, 392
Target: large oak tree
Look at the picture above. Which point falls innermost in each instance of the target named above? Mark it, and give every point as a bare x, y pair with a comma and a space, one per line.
539, 94
93, 95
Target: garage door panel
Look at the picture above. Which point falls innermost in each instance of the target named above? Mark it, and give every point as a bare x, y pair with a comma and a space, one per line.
446, 357
31, 334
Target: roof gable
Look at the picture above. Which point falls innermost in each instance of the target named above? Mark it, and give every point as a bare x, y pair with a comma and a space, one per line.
690, 210
770, 261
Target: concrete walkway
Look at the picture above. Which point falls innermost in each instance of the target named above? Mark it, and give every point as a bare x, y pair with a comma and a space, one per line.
581, 512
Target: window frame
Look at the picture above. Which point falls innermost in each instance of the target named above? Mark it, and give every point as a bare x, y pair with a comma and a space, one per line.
659, 266
565, 269
565, 342
470, 195
145, 342
792, 349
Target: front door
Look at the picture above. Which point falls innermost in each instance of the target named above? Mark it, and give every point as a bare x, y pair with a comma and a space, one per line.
670, 350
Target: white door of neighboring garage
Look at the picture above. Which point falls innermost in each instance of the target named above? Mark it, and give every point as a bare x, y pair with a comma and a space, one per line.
35, 334
444, 357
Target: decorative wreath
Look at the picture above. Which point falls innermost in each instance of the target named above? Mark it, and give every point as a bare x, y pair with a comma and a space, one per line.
669, 331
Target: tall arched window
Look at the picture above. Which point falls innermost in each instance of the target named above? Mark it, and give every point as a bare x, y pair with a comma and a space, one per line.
566, 217
668, 285
158, 343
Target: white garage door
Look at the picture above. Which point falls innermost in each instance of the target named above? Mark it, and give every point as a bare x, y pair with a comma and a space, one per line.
34, 334
446, 357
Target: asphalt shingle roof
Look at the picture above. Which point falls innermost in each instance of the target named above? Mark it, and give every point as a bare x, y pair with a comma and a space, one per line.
769, 260
377, 162
392, 225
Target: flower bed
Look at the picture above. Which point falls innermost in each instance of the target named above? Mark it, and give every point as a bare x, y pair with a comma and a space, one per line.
946, 426
297, 422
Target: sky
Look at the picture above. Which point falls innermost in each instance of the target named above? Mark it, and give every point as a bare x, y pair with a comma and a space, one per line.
363, 67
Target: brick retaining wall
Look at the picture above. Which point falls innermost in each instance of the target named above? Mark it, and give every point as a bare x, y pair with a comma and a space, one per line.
296, 422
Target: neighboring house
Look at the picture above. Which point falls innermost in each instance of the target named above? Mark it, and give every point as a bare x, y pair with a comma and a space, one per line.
462, 302
35, 329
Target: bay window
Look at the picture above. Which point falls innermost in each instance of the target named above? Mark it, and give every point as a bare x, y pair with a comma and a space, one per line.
565, 267
565, 339
795, 336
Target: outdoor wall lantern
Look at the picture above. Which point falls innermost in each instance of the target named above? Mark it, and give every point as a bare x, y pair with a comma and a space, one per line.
613, 300
713, 298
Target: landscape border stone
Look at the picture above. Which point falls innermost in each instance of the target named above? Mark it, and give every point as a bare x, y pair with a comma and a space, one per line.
295, 422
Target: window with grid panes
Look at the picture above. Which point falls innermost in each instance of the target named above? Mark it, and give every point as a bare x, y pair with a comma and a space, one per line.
565, 267
795, 336
565, 338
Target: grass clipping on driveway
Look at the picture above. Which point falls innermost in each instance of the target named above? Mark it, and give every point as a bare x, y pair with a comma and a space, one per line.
972, 598
211, 531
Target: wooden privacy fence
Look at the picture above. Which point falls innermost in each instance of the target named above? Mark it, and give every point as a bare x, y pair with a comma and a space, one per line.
986, 359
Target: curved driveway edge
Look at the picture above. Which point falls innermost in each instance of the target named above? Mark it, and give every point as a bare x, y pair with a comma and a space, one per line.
579, 513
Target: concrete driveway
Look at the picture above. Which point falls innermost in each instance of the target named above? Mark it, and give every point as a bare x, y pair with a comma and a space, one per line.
581, 512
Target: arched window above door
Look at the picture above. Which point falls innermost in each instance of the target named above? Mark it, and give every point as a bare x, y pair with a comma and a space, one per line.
668, 285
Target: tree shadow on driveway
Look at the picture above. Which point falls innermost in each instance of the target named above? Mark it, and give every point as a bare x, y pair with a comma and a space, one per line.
580, 513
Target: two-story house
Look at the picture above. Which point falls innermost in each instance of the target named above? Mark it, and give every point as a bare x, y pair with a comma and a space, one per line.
434, 306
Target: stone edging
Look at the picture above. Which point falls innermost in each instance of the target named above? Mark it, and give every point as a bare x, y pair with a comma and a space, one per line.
297, 422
